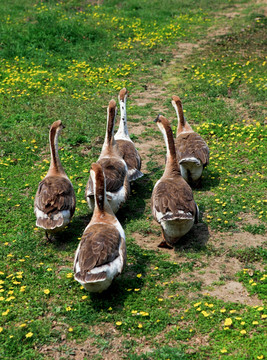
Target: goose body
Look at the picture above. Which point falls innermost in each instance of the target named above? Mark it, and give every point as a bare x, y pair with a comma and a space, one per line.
172, 202
191, 149
54, 203
124, 143
114, 167
101, 253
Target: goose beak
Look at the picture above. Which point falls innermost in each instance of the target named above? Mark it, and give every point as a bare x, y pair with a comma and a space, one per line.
157, 118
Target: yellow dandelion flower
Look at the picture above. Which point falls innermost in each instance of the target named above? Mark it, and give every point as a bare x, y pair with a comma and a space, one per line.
243, 332
118, 323
69, 275
1, 329
70, 329
140, 326
84, 297
29, 334
5, 313
228, 322
139, 275
223, 351
47, 291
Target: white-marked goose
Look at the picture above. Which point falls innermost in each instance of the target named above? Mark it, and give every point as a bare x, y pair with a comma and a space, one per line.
173, 205
192, 151
54, 202
125, 145
114, 167
101, 254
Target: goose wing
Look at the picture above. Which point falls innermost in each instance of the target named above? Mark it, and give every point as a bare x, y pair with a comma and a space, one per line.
55, 194
115, 173
100, 245
173, 199
190, 145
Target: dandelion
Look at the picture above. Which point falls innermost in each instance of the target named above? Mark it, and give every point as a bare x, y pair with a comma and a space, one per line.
23, 325
243, 332
5, 313
139, 275
160, 299
140, 326
118, 323
47, 291
69, 275
223, 351
29, 334
85, 297
205, 313
228, 322
1, 329
70, 329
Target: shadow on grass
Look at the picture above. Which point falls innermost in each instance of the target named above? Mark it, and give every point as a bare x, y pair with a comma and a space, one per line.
66, 239
209, 180
196, 239
136, 204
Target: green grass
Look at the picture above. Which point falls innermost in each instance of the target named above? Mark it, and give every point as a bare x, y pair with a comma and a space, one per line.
66, 61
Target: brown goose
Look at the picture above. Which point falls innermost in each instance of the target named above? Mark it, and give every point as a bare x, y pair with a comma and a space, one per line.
54, 202
125, 145
101, 254
172, 205
192, 151
114, 167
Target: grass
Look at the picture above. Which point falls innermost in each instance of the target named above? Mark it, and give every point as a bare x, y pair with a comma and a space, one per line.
66, 60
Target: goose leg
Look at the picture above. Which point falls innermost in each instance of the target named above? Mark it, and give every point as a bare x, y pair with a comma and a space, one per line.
163, 243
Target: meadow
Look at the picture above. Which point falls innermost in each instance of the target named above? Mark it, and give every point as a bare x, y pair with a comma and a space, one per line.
206, 299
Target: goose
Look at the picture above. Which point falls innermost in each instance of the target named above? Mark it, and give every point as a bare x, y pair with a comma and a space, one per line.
114, 167
125, 145
172, 203
192, 151
101, 253
54, 203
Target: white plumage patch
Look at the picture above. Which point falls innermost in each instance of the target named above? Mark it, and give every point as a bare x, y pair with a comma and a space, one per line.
116, 199
194, 167
64, 215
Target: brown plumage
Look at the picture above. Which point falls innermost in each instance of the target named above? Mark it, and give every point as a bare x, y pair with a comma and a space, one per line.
54, 203
172, 202
124, 143
130, 155
99, 246
101, 254
192, 145
114, 167
54, 195
165, 199
191, 149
